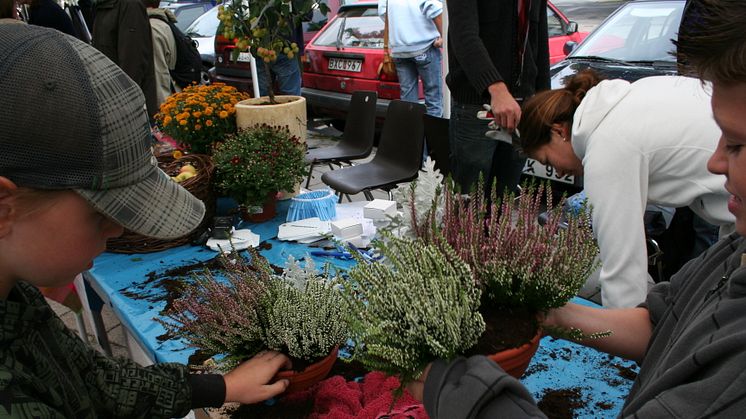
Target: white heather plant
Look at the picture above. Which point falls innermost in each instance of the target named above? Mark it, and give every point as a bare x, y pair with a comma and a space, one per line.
306, 321
418, 304
251, 309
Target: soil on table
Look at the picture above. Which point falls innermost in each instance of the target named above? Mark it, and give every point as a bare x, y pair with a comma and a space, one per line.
562, 403
169, 285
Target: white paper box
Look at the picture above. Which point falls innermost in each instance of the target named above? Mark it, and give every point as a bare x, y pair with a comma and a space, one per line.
347, 228
379, 208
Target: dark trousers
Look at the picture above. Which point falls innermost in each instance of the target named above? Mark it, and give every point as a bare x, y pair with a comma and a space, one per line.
472, 152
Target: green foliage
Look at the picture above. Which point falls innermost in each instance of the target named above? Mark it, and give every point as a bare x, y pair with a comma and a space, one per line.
259, 161
253, 310
418, 305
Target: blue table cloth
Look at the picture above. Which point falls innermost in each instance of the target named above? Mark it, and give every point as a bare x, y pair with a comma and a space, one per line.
136, 289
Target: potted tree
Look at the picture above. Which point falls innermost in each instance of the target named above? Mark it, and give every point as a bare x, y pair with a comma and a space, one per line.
248, 309
266, 29
255, 164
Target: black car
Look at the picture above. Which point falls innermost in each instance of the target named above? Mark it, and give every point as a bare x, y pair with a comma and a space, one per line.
635, 41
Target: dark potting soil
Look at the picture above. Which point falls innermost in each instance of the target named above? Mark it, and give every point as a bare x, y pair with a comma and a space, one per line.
562, 403
506, 328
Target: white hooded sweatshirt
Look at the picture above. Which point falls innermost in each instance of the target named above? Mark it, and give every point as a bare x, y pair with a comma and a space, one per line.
644, 142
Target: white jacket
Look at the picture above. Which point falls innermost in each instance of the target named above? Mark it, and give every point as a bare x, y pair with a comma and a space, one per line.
644, 142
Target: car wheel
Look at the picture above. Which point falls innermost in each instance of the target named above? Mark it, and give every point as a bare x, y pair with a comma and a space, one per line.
204, 76
338, 124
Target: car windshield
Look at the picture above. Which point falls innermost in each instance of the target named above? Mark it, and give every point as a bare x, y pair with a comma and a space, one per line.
637, 32
359, 27
205, 25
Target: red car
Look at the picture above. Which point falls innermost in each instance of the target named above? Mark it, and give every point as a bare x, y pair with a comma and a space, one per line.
345, 56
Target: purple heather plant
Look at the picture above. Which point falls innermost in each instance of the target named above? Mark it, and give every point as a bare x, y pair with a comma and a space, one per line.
221, 317
516, 261
298, 313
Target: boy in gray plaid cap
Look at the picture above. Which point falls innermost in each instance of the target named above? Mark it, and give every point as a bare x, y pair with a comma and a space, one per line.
75, 169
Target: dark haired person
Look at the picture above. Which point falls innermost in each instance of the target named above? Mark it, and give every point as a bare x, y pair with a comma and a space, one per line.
498, 54
121, 31
8, 12
690, 334
48, 13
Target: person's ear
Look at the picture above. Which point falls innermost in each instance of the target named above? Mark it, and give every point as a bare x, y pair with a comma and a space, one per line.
7, 204
562, 129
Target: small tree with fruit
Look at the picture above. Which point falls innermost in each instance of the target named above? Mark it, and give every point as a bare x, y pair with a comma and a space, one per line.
266, 28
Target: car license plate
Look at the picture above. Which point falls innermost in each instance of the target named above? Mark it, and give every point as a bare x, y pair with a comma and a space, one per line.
244, 57
345, 64
534, 168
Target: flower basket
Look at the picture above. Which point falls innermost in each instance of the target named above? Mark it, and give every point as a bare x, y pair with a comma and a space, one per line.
200, 186
310, 375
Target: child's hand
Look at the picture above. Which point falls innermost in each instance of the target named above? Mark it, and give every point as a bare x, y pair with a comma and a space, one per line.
250, 382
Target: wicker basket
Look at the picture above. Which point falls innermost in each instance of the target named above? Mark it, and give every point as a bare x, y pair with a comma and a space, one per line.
200, 186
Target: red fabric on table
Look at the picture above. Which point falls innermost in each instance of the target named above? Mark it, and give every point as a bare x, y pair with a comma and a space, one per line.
65, 295
336, 398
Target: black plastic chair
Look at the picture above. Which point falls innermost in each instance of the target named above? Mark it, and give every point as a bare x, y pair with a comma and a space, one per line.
357, 139
437, 140
398, 158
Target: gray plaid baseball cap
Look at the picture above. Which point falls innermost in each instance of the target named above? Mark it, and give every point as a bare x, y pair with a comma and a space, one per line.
71, 119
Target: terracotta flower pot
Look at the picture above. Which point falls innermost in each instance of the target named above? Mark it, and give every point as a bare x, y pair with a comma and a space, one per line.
311, 375
515, 361
269, 210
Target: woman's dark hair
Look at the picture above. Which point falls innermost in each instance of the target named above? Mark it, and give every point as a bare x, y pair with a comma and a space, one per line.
551, 107
712, 40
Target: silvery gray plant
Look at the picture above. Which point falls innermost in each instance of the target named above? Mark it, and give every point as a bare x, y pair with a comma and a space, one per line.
418, 199
418, 304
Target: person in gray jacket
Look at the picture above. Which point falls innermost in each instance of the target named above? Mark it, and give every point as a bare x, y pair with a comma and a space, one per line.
121, 31
690, 333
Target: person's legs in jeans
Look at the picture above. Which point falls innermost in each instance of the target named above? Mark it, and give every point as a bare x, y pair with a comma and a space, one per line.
287, 72
471, 150
430, 71
406, 71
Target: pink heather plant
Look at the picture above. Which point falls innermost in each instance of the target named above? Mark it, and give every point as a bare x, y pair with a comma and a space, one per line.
220, 317
516, 261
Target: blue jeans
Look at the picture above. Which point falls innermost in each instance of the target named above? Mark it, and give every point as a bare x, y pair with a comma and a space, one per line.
472, 152
286, 71
426, 66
